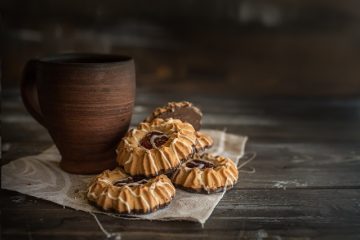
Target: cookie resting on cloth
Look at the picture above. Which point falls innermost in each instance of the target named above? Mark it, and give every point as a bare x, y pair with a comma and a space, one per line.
40, 176
116, 191
206, 173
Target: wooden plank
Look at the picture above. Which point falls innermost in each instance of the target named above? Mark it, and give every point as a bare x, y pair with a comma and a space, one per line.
299, 165
277, 165
329, 159
306, 183
294, 115
230, 119
313, 212
280, 165
225, 104
290, 234
291, 122
321, 132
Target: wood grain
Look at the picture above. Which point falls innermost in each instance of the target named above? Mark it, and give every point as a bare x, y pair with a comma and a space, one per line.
299, 213
306, 184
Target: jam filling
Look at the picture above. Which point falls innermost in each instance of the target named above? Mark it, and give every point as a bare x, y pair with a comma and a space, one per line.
153, 140
199, 164
129, 181
122, 182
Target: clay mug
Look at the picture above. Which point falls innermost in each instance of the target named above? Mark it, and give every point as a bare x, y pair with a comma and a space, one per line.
85, 101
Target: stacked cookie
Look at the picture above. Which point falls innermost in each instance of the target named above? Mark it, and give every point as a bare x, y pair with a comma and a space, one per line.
166, 149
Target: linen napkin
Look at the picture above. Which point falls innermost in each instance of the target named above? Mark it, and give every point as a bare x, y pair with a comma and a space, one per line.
40, 176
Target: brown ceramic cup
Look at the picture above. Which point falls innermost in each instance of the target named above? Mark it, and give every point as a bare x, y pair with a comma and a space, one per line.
85, 101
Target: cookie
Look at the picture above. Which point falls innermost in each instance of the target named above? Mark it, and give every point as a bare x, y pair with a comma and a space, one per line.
206, 173
156, 148
185, 111
116, 191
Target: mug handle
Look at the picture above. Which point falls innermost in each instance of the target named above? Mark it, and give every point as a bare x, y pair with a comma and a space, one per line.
29, 92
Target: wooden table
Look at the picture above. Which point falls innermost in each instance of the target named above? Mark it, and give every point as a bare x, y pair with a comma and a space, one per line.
306, 185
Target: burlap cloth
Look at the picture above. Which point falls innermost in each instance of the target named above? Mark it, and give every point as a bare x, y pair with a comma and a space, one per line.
40, 176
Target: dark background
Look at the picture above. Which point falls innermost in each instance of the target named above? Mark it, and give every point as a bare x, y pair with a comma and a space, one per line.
235, 47
291, 69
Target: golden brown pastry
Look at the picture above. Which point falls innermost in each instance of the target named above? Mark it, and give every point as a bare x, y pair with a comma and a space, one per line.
156, 148
185, 111
203, 142
206, 174
117, 191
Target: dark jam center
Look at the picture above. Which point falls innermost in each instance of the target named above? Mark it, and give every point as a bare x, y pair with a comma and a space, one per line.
122, 182
153, 140
199, 164
129, 181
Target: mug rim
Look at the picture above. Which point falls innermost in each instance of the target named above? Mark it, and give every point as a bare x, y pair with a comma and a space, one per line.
88, 59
